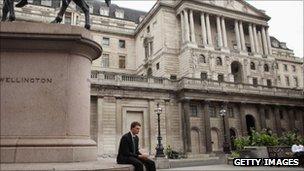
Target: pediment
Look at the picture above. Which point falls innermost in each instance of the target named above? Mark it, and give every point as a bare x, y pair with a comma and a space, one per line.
237, 5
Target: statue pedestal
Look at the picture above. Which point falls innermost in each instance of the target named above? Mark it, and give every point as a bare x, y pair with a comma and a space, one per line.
45, 93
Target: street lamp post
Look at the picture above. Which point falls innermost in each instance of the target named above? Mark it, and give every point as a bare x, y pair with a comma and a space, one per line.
226, 146
159, 148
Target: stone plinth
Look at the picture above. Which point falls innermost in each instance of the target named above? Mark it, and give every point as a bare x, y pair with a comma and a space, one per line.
45, 93
162, 163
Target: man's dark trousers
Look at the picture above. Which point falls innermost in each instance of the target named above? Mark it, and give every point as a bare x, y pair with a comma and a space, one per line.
139, 164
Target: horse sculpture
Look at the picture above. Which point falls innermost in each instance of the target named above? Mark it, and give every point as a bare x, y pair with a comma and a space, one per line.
8, 7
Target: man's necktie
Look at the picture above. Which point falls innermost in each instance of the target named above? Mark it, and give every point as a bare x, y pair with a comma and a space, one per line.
133, 139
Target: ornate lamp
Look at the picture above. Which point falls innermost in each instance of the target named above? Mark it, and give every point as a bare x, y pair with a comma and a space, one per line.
226, 146
159, 148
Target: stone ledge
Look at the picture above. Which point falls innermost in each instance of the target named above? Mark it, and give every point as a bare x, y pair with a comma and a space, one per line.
84, 166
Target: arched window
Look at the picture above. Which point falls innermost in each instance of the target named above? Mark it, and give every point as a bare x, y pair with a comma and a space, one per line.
219, 61
266, 68
202, 59
252, 65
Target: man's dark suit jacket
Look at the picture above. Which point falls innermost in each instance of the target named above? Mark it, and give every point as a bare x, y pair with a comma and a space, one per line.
126, 148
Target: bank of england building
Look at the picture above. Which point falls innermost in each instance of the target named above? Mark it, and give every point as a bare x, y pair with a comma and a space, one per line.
194, 58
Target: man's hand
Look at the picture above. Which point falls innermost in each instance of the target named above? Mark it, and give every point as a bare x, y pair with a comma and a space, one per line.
143, 156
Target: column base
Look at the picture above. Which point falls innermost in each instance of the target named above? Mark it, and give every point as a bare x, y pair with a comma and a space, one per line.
47, 150
209, 47
244, 53
225, 49
257, 55
190, 45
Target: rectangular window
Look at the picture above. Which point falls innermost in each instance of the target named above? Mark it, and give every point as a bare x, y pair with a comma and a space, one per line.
220, 77
147, 51
67, 18
294, 68
212, 111
104, 11
295, 115
235, 47
266, 113
230, 112
287, 81
296, 82
46, 2
193, 109
106, 41
157, 66
151, 48
148, 29
204, 76
122, 62
269, 84
255, 81
248, 49
285, 67
173, 77
122, 43
281, 114
105, 61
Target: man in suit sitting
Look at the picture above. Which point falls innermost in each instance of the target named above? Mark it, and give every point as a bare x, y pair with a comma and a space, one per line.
128, 150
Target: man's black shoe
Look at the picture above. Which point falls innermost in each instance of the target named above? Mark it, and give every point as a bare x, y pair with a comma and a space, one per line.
57, 20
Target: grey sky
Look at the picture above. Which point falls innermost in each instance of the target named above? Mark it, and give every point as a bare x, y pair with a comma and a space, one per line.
286, 22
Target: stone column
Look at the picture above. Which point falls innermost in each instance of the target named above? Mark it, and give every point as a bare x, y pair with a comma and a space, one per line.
168, 121
268, 42
153, 127
182, 27
256, 39
186, 125
224, 32
242, 110
227, 125
187, 34
237, 35
242, 36
251, 39
264, 40
219, 32
192, 27
262, 117
99, 125
209, 30
301, 119
206, 123
291, 119
260, 42
277, 119
203, 25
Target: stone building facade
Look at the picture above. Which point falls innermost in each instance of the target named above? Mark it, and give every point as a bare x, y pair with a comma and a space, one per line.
193, 58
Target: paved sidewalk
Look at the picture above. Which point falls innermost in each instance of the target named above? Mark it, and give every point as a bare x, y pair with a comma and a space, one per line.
233, 168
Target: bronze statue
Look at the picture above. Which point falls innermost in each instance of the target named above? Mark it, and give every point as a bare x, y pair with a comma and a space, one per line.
9, 7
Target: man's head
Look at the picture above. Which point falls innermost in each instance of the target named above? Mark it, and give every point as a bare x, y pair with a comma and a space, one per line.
135, 127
